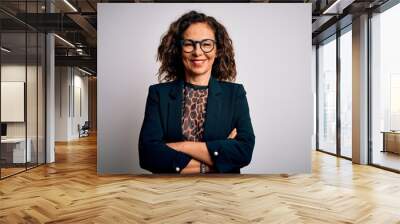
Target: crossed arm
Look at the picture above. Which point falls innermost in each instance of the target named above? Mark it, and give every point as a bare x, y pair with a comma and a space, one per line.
186, 157
199, 153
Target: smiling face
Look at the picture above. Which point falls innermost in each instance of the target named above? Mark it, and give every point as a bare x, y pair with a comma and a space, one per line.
198, 63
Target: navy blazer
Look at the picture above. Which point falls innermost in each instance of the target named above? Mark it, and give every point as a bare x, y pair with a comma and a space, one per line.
226, 109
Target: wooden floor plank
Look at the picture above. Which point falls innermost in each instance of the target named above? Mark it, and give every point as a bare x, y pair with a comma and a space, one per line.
70, 191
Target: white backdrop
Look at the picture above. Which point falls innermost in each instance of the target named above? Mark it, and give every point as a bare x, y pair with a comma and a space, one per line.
272, 45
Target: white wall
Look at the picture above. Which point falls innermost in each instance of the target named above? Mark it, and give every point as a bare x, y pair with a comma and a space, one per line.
68, 82
16, 72
79, 117
272, 45
62, 80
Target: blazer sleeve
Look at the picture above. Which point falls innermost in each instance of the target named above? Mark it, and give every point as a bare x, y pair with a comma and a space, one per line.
231, 154
154, 154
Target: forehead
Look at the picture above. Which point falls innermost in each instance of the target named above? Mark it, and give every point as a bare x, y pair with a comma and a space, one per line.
199, 31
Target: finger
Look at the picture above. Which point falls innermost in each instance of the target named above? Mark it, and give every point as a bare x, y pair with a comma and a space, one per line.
232, 134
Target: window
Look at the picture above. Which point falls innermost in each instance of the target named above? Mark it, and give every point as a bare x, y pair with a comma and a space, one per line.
346, 93
385, 88
327, 96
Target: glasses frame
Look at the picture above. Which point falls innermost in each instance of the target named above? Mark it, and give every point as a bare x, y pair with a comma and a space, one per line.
194, 44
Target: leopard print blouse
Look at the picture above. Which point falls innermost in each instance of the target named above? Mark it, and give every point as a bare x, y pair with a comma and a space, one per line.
194, 111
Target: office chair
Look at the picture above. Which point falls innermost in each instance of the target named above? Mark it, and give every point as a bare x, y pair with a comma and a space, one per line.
84, 130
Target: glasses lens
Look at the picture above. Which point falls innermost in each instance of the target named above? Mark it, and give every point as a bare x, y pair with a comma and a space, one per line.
187, 46
207, 45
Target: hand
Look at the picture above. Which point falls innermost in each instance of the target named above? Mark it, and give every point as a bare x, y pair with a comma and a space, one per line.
233, 134
192, 167
175, 145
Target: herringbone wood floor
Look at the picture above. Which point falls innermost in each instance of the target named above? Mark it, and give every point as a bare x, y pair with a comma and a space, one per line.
70, 191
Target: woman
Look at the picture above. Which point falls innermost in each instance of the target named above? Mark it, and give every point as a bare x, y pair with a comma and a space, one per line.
198, 121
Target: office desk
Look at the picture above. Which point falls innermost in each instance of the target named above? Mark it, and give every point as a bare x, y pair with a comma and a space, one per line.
13, 150
391, 141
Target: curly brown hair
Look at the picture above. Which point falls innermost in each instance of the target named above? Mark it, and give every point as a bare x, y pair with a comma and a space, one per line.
223, 68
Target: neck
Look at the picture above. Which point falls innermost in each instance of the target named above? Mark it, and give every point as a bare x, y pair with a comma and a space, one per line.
200, 80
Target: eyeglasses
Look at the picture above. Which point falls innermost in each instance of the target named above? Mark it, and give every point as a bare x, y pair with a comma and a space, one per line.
206, 45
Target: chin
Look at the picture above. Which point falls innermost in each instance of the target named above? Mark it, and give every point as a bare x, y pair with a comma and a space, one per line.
198, 72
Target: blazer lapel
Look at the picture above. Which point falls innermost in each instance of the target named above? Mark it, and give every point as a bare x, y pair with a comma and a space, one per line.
174, 126
213, 108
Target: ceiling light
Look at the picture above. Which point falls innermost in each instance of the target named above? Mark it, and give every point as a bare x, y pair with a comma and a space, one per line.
329, 9
64, 40
70, 5
5, 50
86, 72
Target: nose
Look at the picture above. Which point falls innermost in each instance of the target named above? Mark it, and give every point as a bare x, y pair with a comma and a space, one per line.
197, 50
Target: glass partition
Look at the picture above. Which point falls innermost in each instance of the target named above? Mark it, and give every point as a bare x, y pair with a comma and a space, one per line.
32, 95
22, 77
13, 94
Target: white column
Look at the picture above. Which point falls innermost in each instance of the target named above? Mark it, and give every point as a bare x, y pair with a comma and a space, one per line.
50, 92
50, 119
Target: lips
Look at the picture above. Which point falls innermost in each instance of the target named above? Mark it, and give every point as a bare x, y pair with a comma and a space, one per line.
197, 62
